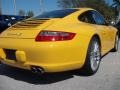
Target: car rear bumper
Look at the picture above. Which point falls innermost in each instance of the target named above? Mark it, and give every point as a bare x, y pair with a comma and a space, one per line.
52, 56
46, 67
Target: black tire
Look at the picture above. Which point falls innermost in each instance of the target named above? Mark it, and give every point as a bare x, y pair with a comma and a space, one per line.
88, 66
115, 49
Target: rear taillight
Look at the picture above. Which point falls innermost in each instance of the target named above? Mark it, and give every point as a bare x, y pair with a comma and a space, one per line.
54, 36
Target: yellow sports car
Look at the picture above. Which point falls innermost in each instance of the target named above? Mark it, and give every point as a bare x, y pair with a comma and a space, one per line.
59, 40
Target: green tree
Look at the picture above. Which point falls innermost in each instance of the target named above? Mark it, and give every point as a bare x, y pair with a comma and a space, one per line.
116, 6
99, 5
30, 13
21, 12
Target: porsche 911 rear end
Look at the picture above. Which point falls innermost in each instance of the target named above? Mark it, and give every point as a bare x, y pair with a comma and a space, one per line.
28, 46
45, 44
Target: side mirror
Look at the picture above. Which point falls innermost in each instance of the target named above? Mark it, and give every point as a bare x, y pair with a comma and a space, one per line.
112, 23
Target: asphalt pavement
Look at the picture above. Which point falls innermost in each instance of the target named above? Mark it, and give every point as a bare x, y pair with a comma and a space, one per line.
107, 78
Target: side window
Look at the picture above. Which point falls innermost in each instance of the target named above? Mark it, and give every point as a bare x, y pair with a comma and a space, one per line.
98, 18
87, 17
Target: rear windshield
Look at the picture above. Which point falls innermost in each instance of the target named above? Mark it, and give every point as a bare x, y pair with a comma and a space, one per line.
57, 13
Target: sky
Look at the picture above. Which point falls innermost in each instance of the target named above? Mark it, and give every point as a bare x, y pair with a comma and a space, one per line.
34, 5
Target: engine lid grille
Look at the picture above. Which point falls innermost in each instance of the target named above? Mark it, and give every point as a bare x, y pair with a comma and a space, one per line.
30, 23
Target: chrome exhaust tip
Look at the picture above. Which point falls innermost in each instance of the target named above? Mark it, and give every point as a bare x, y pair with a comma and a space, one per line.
33, 69
37, 70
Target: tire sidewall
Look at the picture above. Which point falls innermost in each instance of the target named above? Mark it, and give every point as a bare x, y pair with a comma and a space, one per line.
88, 59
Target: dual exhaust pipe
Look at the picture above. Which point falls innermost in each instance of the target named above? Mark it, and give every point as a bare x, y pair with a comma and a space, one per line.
37, 70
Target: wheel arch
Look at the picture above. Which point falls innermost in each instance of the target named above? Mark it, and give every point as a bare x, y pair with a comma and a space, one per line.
94, 36
97, 37
99, 40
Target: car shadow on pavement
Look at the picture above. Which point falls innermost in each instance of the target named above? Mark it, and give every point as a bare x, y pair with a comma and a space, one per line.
27, 76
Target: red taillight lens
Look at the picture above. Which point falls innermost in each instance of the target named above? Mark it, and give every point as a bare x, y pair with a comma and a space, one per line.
54, 36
